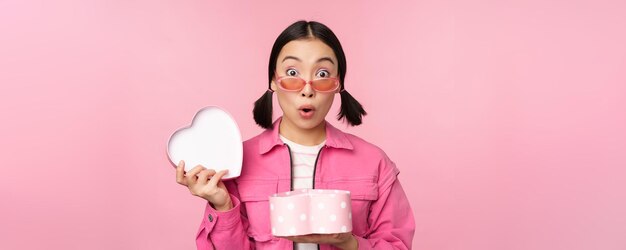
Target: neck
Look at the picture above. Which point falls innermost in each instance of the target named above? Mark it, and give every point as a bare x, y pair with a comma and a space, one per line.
303, 136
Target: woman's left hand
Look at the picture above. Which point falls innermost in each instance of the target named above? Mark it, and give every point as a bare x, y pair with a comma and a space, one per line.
340, 240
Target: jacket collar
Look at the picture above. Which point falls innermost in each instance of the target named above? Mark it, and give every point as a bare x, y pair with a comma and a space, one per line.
334, 137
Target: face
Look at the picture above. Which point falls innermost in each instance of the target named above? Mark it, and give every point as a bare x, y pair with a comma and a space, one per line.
308, 59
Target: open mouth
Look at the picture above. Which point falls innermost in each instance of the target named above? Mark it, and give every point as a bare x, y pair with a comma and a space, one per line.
307, 111
306, 108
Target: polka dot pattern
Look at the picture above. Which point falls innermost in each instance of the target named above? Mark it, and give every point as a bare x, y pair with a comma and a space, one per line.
310, 211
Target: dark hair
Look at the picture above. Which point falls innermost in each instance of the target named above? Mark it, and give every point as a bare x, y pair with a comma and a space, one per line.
351, 109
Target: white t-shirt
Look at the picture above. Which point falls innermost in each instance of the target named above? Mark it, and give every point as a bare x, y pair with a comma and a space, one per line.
303, 160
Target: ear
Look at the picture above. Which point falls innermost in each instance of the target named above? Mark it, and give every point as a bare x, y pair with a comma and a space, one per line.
273, 86
338, 90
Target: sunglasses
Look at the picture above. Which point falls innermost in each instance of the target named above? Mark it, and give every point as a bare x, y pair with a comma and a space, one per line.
293, 84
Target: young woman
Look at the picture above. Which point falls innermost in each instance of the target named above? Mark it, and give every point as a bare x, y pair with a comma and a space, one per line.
301, 149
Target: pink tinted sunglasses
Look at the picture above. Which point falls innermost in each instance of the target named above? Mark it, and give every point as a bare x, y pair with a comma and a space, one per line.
294, 84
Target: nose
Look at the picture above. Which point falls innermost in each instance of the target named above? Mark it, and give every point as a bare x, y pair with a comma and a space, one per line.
308, 90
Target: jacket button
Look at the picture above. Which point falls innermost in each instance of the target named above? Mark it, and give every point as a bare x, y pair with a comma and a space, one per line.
210, 218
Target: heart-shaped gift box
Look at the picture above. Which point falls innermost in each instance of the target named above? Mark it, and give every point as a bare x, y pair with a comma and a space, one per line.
308, 211
213, 140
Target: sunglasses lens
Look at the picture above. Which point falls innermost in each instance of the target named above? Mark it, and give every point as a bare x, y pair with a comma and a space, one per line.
291, 83
324, 84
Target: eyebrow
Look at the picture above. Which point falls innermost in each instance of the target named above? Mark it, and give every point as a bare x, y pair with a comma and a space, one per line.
319, 60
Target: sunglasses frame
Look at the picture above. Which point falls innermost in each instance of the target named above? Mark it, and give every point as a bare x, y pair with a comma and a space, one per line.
279, 79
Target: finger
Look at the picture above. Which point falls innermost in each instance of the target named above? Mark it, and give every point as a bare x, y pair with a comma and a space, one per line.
180, 173
291, 238
301, 239
191, 175
217, 177
311, 238
194, 171
204, 176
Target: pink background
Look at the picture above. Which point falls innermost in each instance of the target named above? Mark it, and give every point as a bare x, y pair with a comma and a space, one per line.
507, 119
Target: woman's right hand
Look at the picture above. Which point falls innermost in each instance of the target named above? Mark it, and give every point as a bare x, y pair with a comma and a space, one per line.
205, 183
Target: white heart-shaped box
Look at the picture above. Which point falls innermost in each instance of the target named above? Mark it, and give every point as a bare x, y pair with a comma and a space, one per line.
213, 140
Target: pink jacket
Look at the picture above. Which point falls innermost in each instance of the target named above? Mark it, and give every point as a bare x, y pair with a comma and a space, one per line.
381, 215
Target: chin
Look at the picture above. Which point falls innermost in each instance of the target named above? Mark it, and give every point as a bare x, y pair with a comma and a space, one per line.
310, 124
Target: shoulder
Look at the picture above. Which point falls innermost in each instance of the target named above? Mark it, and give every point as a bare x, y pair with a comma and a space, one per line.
253, 142
363, 146
371, 156
372, 153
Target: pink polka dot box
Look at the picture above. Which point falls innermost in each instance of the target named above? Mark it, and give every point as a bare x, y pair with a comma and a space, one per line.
310, 211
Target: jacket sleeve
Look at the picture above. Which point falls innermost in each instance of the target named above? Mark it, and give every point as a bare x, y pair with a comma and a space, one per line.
391, 220
225, 229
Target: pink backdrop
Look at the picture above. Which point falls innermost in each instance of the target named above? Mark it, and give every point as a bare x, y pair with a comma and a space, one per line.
506, 118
